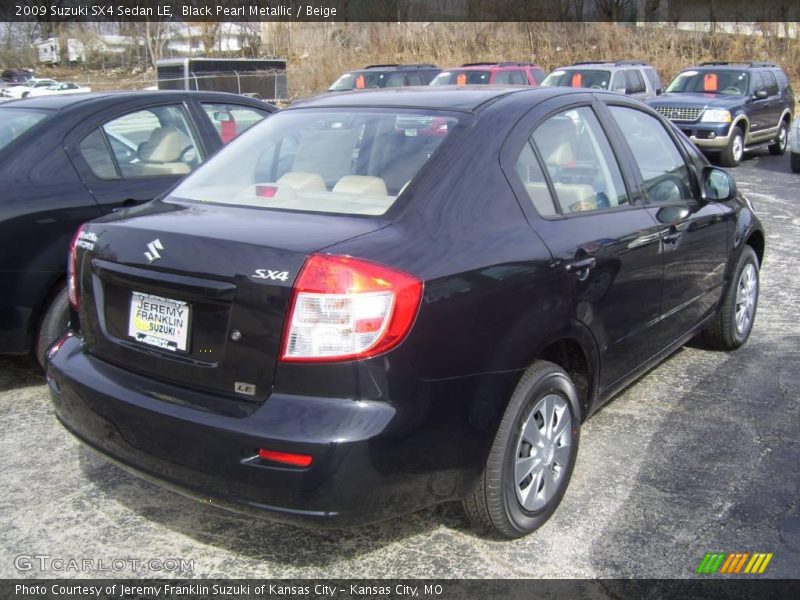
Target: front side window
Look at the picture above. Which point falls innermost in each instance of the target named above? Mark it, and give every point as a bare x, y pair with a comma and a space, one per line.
230, 119
317, 160
581, 164
635, 82
665, 174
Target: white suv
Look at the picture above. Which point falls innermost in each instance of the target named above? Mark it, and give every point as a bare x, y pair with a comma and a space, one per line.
632, 77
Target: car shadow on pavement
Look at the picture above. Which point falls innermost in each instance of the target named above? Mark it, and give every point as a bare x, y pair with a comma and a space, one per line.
255, 538
19, 372
718, 471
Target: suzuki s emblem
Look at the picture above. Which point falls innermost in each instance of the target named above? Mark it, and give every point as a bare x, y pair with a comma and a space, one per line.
153, 247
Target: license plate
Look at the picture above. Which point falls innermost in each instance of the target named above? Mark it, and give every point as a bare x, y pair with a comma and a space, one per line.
159, 322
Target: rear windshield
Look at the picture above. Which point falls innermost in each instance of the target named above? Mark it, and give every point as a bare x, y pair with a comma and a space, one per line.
14, 122
322, 160
365, 80
597, 79
462, 77
726, 82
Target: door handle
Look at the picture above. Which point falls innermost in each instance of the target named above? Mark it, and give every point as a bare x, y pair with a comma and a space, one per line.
581, 267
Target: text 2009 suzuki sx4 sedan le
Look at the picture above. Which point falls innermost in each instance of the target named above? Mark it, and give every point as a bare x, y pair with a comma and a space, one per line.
382, 300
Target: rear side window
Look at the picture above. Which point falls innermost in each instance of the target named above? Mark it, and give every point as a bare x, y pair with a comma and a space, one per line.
530, 173
665, 174
315, 160
502, 77
97, 155
518, 77
15, 122
580, 162
230, 120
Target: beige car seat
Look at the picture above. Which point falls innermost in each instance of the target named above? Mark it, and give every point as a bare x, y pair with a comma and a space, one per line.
160, 155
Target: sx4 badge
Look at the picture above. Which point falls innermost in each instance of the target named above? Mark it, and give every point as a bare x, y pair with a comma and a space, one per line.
270, 274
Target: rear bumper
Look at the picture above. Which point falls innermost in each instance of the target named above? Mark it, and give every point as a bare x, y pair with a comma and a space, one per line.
206, 447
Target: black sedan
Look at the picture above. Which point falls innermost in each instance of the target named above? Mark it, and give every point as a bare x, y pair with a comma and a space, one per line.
69, 159
378, 301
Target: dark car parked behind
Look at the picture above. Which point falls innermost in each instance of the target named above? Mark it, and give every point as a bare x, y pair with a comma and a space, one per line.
69, 159
728, 108
380, 301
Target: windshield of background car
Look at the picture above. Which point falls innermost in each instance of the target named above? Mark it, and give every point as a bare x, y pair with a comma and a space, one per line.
462, 77
350, 161
362, 80
578, 78
14, 122
726, 82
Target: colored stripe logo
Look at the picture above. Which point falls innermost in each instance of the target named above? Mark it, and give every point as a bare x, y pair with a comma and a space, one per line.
734, 563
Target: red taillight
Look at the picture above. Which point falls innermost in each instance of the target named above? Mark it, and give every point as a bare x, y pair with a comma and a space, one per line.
72, 275
344, 308
286, 458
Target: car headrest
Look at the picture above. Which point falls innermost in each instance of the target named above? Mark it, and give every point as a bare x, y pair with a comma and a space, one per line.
361, 184
301, 180
165, 145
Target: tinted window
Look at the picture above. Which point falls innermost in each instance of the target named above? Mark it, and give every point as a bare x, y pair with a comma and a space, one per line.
770, 83
152, 142
783, 81
15, 122
539, 75
530, 173
95, 152
580, 162
502, 77
345, 162
653, 78
519, 78
665, 174
230, 119
758, 82
635, 82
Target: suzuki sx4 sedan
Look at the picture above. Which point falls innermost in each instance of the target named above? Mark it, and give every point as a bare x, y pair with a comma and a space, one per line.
382, 300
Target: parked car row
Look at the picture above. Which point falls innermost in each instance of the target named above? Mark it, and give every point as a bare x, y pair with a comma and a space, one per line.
35, 86
725, 108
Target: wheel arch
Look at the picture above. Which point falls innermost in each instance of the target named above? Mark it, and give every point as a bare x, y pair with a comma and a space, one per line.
575, 350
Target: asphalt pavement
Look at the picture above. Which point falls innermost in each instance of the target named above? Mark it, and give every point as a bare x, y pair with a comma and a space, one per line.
700, 455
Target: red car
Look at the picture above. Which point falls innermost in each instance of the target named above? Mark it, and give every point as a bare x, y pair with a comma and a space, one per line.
503, 73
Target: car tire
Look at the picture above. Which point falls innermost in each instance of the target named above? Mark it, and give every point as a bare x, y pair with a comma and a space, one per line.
778, 147
733, 321
732, 154
53, 324
501, 505
794, 161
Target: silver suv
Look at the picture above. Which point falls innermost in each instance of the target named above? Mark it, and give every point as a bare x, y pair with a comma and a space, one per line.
632, 77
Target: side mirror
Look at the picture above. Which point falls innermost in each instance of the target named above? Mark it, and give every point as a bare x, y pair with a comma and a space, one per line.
621, 90
659, 91
718, 185
761, 94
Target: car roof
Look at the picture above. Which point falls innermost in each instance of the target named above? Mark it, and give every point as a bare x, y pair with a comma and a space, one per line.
466, 97
100, 99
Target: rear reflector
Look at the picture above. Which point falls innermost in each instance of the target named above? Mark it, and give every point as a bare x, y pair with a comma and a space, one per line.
286, 458
344, 308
